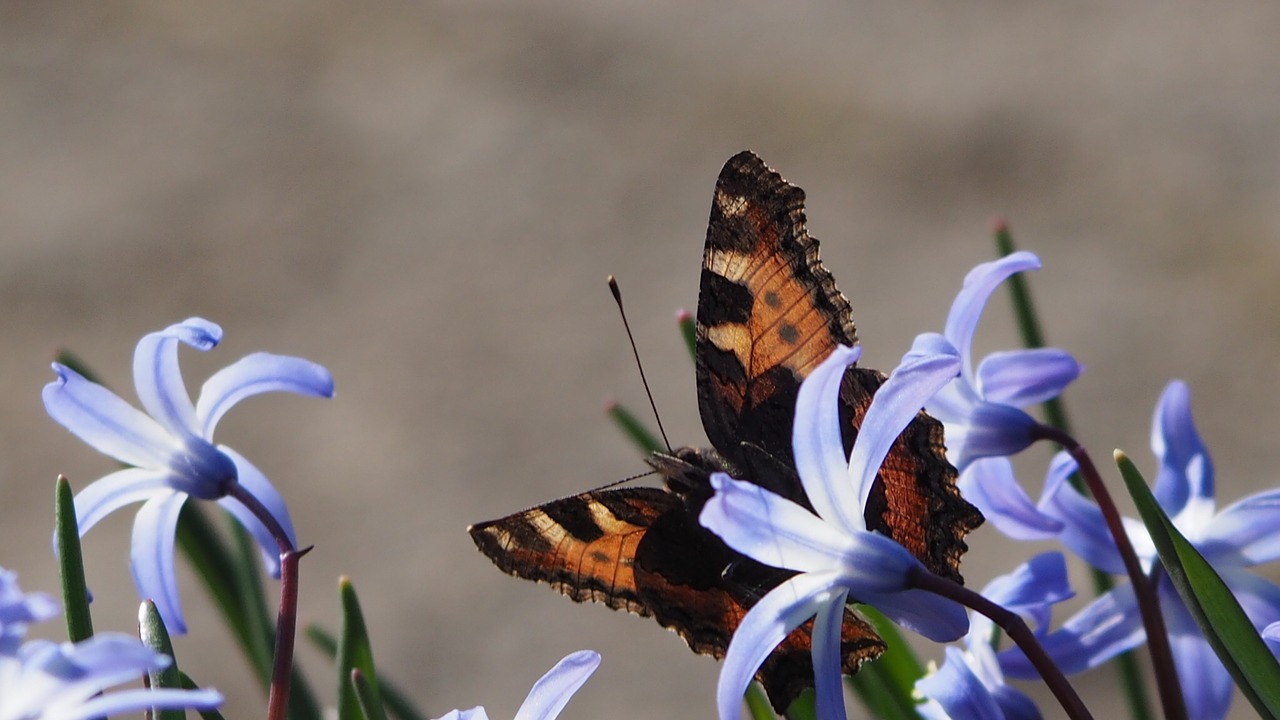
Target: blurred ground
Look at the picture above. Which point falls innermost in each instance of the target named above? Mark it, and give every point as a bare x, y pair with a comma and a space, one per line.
427, 198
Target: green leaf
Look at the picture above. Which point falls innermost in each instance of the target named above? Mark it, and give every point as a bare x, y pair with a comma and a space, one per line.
354, 653
758, 703
395, 699
804, 707
886, 685
689, 331
75, 591
635, 430
252, 599
1209, 600
367, 694
155, 636
189, 684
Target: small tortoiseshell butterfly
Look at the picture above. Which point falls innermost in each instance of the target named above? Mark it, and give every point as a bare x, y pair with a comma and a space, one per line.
768, 314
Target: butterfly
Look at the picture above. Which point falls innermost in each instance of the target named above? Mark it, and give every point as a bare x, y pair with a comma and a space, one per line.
768, 314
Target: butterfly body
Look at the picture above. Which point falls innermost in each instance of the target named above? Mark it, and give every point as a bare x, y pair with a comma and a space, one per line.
768, 314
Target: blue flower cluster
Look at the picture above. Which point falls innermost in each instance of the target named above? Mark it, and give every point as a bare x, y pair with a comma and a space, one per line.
983, 409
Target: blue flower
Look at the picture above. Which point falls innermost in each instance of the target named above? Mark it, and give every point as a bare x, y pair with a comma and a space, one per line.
171, 452
550, 694
42, 680
983, 408
970, 684
836, 556
1246, 533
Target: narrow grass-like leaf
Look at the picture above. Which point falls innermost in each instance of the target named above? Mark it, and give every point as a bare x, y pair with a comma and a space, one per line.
154, 635
251, 598
1214, 607
396, 701
75, 591
758, 706
367, 696
804, 707
886, 685
636, 431
689, 331
354, 653
189, 684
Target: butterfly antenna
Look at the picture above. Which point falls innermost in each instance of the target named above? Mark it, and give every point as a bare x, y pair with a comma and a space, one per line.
617, 297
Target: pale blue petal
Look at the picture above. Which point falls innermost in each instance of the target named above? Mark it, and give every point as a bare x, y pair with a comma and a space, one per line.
895, 404
1022, 378
261, 488
1084, 530
1206, 685
771, 529
19, 607
1248, 530
921, 612
140, 700
779, 612
953, 404
475, 713
992, 430
255, 374
108, 424
1105, 628
989, 484
1185, 479
60, 676
828, 624
966, 310
930, 343
151, 558
818, 443
1033, 587
958, 690
553, 691
1016, 705
159, 379
112, 492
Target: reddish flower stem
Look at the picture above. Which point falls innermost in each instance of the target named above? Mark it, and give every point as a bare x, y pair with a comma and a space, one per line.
287, 616
1017, 630
1144, 588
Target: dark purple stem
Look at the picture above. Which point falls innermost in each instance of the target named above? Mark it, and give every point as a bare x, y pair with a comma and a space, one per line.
1017, 630
1144, 588
287, 617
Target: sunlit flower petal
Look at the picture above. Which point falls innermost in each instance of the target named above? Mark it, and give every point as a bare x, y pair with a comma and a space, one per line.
779, 612
151, 557
159, 380
989, 484
256, 374
549, 694
43, 680
172, 448
1022, 378
817, 442
554, 690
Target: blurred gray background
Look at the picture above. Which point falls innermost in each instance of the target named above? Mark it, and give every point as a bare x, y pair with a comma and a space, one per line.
427, 198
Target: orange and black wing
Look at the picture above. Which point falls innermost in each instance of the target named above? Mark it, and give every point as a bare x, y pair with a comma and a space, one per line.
641, 550
768, 313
